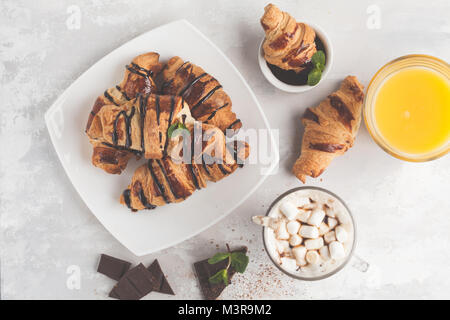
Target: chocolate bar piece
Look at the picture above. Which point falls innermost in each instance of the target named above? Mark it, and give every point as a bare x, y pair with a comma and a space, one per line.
205, 270
135, 284
162, 285
112, 267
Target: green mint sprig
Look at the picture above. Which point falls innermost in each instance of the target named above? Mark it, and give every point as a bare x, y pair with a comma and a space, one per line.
174, 127
237, 260
318, 61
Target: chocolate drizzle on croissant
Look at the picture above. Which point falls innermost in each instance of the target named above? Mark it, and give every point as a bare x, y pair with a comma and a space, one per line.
127, 120
310, 115
110, 98
345, 114
137, 80
163, 181
289, 44
140, 125
130, 120
204, 94
330, 129
327, 147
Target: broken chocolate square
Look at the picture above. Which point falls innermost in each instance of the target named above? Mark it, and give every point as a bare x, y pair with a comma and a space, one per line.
113, 294
135, 284
112, 267
162, 285
205, 270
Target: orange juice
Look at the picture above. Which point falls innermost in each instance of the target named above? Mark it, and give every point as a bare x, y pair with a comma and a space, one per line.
411, 110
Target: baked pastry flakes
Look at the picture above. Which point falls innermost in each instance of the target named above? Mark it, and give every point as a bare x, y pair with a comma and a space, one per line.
140, 125
330, 129
138, 79
289, 44
167, 180
134, 119
204, 94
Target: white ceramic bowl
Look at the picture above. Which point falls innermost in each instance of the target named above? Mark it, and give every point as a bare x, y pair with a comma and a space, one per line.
295, 88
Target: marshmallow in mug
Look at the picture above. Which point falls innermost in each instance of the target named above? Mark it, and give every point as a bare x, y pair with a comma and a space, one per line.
330, 237
324, 253
314, 244
331, 222
282, 232
303, 216
289, 210
293, 227
323, 228
316, 217
300, 254
337, 250
341, 234
295, 240
309, 232
312, 257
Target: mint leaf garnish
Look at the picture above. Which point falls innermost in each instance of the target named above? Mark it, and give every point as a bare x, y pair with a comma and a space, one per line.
239, 261
318, 61
320, 66
314, 77
221, 275
174, 127
318, 57
218, 257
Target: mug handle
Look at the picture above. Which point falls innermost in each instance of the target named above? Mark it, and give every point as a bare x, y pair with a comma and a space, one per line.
359, 263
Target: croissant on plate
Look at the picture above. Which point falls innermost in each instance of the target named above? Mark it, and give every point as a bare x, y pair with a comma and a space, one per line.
288, 44
167, 180
138, 79
140, 125
204, 94
134, 118
330, 129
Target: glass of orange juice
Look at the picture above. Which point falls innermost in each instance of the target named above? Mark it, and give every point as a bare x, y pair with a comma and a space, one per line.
407, 108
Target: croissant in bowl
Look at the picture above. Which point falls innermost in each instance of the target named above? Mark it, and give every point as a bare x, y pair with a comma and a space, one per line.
289, 44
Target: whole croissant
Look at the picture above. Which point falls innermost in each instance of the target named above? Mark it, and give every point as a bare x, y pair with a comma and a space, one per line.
163, 181
288, 45
330, 129
138, 79
207, 100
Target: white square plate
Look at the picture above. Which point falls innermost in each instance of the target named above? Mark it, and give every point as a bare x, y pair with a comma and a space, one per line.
145, 232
